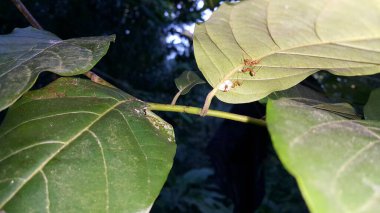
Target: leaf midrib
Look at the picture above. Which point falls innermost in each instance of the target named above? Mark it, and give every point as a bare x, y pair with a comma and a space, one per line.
28, 59
59, 150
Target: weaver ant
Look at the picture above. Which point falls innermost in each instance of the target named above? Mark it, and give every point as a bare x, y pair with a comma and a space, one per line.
248, 66
250, 70
228, 85
236, 83
250, 62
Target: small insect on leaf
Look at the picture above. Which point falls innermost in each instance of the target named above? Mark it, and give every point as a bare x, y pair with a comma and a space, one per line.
250, 62
249, 65
236, 83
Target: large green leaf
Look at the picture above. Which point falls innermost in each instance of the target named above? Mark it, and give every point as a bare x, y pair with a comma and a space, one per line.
335, 160
27, 52
291, 40
76, 146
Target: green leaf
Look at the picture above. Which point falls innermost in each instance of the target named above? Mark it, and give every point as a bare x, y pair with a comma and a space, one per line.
342, 109
77, 146
372, 108
290, 39
334, 160
27, 52
186, 81
298, 91
295, 92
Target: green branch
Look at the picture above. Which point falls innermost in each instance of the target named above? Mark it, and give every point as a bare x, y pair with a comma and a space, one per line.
213, 113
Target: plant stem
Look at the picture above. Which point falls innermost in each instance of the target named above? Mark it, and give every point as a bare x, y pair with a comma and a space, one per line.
95, 78
28, 16
213, 92
208, 100
176, 97
213, 113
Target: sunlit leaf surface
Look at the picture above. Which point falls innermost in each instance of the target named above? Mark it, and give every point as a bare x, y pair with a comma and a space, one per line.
290, 40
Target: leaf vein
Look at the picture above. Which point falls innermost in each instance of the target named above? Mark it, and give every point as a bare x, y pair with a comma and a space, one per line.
350, 160
325, 57
43, 164
46, 190
105, 168
43, 117
29, 147
32, 56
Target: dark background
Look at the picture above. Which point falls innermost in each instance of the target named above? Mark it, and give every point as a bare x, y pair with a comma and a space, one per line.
220, 166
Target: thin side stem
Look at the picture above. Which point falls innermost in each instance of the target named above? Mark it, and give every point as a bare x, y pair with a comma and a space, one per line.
176, 97
95, 78
208, 100
213, 92
28, 16
212, 113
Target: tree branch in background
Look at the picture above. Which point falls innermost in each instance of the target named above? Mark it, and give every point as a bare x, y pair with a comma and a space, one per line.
28, 16
32, 21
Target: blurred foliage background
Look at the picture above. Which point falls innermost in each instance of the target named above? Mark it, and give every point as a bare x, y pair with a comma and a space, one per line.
220, 166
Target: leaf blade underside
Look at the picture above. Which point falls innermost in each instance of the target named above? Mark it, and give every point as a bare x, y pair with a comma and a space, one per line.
291, 39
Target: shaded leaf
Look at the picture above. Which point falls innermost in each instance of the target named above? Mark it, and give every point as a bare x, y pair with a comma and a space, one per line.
298, 91
334, 160
27, 52
342, 109
290, 39
372, 108
77, 146
186, 81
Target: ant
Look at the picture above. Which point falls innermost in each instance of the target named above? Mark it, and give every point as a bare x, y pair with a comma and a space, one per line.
228, 85
231, 85
249, 64
236, 83
250, 70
